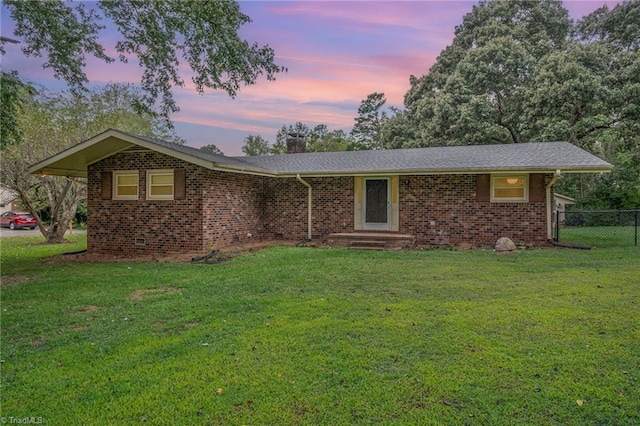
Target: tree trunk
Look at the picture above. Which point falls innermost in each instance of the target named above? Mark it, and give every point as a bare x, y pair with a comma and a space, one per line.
63, 196
55, 234
63, 199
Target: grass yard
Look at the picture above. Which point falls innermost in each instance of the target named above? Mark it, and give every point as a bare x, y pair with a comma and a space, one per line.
600, 236
324, 336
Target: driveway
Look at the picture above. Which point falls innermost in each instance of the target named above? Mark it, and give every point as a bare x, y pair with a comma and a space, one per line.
6, 232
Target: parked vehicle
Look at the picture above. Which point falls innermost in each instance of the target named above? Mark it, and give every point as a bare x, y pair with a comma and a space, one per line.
17, 220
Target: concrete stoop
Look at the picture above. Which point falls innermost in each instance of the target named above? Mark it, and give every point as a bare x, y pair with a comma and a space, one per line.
371, 240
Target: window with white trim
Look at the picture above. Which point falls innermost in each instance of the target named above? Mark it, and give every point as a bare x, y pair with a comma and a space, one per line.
160, 185
510, 188
125, 185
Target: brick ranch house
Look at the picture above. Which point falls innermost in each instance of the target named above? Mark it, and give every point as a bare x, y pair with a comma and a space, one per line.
150, 196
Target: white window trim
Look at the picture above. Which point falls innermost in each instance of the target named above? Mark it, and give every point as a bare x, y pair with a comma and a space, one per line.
117, 173
524, 199
160, 172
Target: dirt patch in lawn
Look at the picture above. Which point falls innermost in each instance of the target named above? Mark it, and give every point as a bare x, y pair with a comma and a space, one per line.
37, 342
221, 255
90, 308
9, 280
150, 293
106, 258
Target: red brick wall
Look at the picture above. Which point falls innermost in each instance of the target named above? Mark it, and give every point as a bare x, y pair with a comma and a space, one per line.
442, 210
225, 208
144, 226
447, 201
286, 207
232, 209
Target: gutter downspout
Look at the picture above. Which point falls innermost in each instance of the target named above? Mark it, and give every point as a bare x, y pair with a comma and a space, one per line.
549, 206
309, 205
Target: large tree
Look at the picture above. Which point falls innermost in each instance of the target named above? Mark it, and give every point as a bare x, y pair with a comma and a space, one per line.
522, 72
12, 93
321, 139
474, 93
255, 145
280, 145
615, 36
589, 94
51, 122
367, 131
164, 37
399, 131
317, 138
211, 149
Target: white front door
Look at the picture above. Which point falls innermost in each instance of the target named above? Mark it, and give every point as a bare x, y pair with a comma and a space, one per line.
377, 194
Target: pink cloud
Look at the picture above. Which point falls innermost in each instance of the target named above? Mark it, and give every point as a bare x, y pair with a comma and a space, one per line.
377, 13
405, 63
323, 78
336, 52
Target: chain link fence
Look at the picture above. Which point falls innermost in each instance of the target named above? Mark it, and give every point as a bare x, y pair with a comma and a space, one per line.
598, 228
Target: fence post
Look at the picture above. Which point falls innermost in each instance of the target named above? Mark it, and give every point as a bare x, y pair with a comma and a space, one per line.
558, 225
636, 226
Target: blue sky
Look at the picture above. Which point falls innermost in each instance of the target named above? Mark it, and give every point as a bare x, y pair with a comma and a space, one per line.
336, 52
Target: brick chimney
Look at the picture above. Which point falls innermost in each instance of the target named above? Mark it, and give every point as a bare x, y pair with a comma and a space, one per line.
296, 143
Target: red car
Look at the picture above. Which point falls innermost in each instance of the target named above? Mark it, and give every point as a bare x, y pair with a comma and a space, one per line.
17, 220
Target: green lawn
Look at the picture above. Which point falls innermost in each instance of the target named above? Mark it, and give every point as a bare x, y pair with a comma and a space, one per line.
600, 236
324, 336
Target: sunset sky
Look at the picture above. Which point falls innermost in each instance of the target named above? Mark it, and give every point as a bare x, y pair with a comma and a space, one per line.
336, 53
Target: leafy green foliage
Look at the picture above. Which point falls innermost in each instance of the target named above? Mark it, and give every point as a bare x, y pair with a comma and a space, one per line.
65, 36
115, 106
321, 139
12, 92
618, 27
399, 131
211, 149
619, 189
522, 72
318, 138
475, 92
161, 35
52, 122
367, 131
255, 145
299, 129
307, 336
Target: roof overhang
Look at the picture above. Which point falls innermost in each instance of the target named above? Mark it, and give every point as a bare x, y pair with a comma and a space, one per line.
74, 162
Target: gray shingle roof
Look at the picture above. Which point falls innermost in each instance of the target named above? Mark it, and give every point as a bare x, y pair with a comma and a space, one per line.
545, 156
523, 156
185, 149
455, 159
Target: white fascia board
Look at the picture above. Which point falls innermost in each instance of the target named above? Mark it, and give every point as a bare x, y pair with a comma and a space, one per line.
441, 172
48, 166
193, 159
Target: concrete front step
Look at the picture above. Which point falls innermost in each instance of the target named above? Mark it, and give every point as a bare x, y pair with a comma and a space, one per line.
371, 240
367, 244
